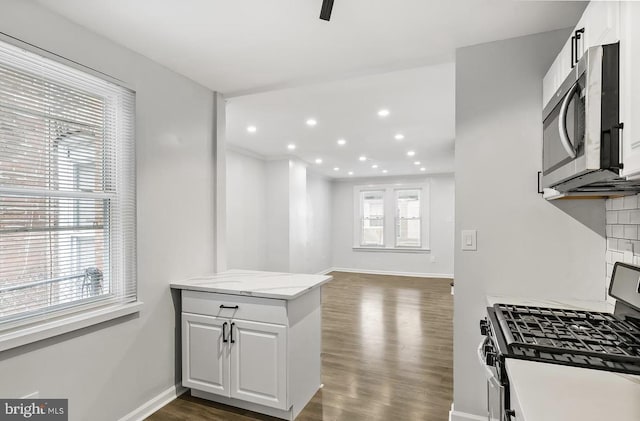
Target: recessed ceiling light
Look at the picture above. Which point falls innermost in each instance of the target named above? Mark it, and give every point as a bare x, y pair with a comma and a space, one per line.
252, 129
383, 112
399, 136
374, 166
384, 171
342, 142
363, 158
423, 169
318, 160
336, 169
350, 173
311, 122
416, 163
411, 153
291, 146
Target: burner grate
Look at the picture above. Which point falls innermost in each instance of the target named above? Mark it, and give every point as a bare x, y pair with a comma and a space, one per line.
571, 336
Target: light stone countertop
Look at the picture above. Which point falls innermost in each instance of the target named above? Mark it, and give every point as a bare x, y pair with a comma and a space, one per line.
551, 392
276, 285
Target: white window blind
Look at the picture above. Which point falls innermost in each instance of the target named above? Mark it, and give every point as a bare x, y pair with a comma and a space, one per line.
67, 189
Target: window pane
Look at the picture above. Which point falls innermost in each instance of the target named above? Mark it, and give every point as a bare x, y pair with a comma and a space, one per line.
372, 211
67, 189
408, 223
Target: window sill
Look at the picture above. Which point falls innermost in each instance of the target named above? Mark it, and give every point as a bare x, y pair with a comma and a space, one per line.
37, 332
393, 249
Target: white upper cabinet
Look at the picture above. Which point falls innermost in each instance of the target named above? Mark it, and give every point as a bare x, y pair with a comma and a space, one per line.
630, 87
599, 24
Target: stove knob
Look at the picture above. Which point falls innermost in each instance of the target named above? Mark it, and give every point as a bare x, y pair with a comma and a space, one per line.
484, 327
490, 359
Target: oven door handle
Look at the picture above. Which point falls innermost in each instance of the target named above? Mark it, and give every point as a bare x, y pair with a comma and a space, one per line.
490, 373
562, 122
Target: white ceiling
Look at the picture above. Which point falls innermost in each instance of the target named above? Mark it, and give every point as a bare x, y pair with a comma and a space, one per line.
421, 107
279, 65
241, 46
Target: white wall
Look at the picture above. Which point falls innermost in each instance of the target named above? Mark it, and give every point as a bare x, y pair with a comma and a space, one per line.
319, 201
277, 219
278, 215
441, 230
526, 246
110, 369
246, 211
297, 216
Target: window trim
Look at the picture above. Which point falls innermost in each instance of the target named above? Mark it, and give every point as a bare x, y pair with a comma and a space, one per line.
38, 329
389, 198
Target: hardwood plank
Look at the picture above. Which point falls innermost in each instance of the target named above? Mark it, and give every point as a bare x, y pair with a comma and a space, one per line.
387, 355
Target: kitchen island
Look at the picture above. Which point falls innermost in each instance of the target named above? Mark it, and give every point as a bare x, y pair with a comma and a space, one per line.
252, 339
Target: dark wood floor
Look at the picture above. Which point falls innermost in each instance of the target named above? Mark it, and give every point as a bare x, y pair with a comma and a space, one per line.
387, 355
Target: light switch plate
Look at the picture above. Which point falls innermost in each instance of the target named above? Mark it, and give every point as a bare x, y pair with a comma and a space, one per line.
469, 240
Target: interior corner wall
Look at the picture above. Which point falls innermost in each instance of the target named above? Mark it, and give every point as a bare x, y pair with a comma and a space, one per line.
108, 370
318, 242
247, 220
438, 262
526, 245
277, 215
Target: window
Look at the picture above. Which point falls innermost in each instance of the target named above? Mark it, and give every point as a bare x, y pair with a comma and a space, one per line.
408, 211
391, 217
67, 190
372, 219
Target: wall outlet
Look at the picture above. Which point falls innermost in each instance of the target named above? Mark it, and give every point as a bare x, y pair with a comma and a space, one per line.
32, 395
433, 259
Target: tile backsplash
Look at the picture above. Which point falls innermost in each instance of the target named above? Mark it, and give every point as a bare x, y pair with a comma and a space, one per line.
623, 231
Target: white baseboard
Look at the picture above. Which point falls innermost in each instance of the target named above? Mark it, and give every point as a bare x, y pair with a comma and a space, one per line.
155, 403
324, 272
463, 416
391, 272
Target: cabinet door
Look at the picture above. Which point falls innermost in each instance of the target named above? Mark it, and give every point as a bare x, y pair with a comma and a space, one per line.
630, 87
205, 358
601, 23
259, 363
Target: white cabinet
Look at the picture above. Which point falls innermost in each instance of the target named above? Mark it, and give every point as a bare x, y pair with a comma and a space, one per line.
601, 24
630, 87
205, 363
259, 363
259, 354
239, 359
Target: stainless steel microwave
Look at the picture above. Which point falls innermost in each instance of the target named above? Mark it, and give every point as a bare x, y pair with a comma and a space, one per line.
581, 127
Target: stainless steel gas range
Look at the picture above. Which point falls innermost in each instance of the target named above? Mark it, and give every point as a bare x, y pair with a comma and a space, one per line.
587, 339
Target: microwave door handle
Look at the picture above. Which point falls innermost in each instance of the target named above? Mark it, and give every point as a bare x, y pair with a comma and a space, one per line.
562, 122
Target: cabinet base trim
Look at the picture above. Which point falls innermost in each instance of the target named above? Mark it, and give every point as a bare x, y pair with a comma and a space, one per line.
463, 416
249, 406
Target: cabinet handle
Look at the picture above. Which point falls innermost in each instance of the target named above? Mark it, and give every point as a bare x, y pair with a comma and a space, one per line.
224, 332
574, 47
231, 333
229, 307
578, 35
